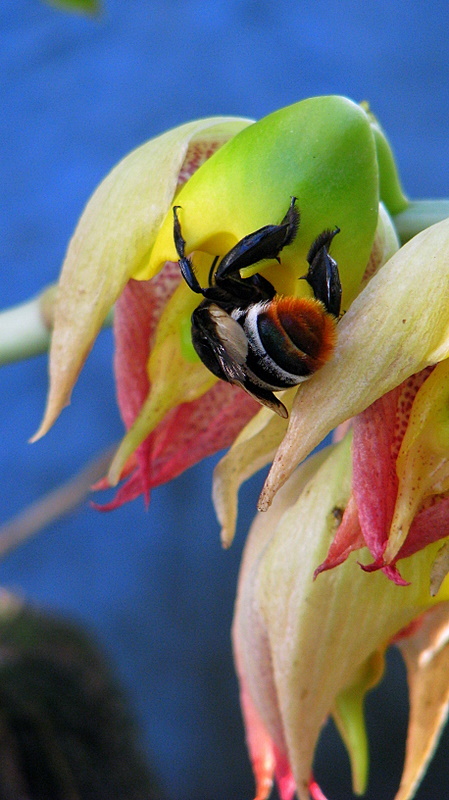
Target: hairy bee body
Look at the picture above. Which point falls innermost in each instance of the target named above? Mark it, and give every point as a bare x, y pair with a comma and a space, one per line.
248, 335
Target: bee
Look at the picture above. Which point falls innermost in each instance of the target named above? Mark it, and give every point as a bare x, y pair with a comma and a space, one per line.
247, 334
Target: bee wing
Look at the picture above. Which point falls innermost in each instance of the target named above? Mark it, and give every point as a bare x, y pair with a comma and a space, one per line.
232, 351
220, 342
222, 345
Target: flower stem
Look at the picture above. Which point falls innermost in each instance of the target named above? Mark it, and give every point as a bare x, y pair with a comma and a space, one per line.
418, 215
25, 329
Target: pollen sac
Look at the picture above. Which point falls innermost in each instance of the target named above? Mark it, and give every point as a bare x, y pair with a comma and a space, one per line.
297, 335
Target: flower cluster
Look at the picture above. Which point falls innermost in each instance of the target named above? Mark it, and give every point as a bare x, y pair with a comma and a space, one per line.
348, 552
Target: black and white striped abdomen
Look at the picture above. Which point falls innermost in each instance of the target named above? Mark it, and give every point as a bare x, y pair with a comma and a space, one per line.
288, 339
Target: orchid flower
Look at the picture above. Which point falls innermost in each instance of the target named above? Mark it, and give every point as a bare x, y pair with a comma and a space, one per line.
309, 645
307, 649
230, 177
386, 496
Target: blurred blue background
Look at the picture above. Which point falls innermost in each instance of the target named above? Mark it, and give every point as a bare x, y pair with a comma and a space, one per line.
76, 95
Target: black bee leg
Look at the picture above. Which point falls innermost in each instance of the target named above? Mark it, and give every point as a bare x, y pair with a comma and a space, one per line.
185, 263
290, 222
323, 275
265, 243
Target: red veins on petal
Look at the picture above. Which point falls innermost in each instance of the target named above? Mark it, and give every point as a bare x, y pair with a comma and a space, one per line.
188, 433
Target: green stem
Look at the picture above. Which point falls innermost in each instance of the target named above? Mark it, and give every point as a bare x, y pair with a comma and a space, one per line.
25, 330
418, 215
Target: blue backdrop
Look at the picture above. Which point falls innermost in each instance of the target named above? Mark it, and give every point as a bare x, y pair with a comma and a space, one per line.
77, 95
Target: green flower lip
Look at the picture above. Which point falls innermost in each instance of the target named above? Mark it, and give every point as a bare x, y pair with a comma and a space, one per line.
322, 151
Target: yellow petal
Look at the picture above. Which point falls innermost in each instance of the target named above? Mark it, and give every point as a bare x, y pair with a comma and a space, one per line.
114, 235
252, 450
423, 461
397, 326
426, 656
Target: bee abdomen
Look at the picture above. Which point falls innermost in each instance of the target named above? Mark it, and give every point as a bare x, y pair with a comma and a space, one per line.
290, 339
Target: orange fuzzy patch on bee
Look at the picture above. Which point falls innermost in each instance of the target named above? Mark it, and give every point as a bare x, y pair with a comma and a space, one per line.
305, 333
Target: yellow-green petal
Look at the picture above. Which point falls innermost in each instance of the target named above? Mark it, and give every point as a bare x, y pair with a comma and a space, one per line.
321, 150
349, 717
254, 447
396, 327
113, 237
391, 192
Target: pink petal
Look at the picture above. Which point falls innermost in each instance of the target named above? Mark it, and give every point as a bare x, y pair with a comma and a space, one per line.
348, 537
374, 481
284, 777
137, 313
315, 791
196, 430
260, 745
429, 525
378, 434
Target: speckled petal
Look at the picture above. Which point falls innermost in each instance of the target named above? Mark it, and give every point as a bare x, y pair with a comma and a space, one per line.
423, 461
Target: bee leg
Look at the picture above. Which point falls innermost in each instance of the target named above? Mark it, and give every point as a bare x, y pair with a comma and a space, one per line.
184, 262
264, 244
323, 275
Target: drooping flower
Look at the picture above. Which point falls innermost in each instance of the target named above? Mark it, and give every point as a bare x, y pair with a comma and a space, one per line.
325, 151
308, 649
